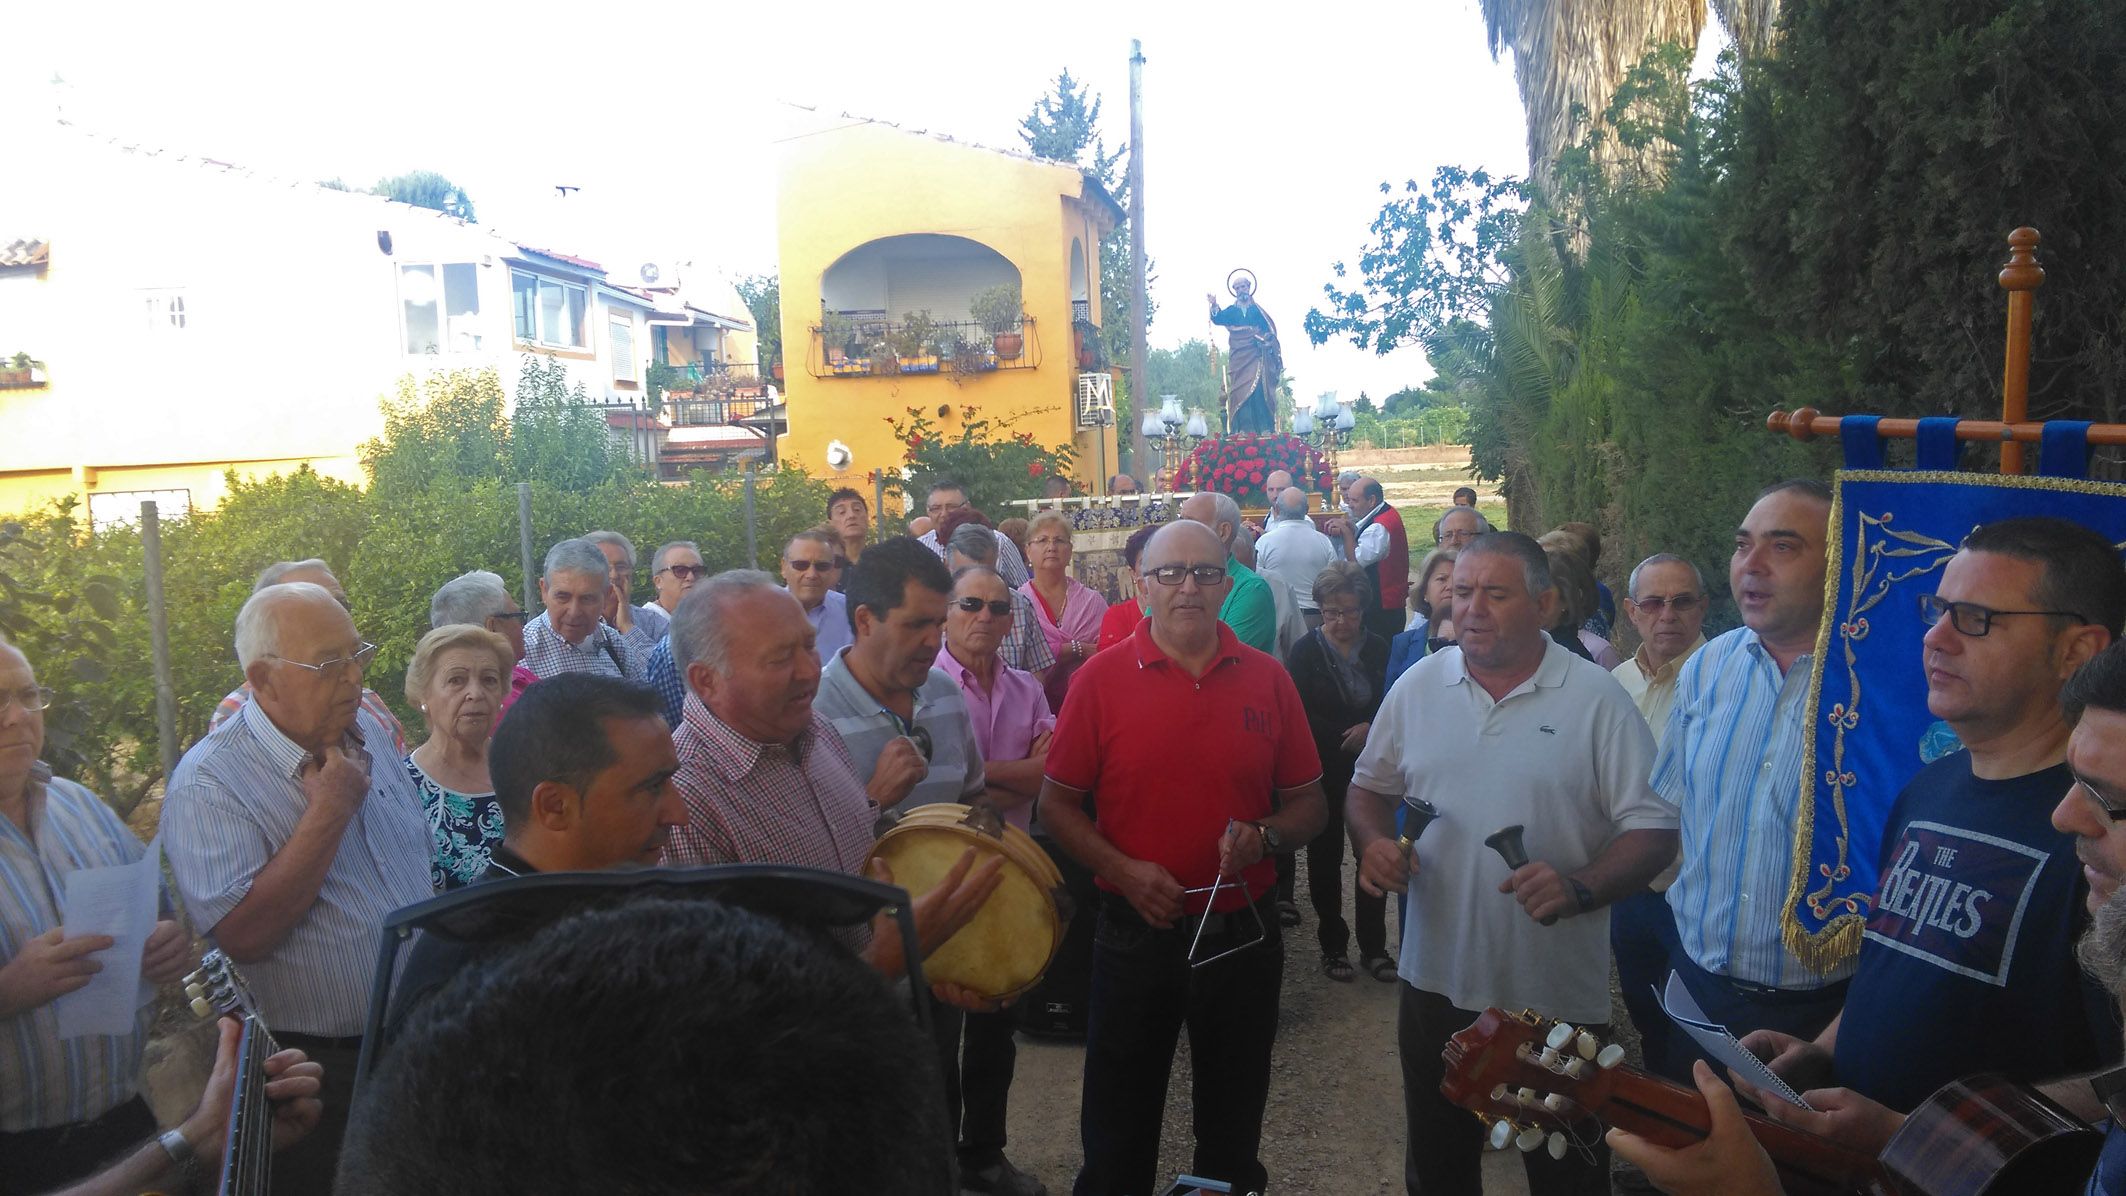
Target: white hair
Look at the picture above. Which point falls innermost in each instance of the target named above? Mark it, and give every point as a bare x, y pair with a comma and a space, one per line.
271, 575
657, 561
1631, 587
258, 633
625, 545
468, 598
1291, 504
1225, 510
577, 556
698, 631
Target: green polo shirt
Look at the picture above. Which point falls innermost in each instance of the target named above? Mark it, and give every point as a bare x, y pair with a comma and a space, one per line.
1249, 609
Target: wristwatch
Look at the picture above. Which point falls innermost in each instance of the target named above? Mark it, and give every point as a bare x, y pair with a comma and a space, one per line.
1272, 842
1581, 894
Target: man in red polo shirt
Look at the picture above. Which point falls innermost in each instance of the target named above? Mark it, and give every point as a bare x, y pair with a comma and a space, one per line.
1195, 752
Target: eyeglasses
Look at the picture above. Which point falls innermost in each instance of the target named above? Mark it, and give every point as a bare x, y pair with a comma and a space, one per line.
2096, 795
938, 508
332, 669
1974, 620
822, 566
31, 697
515, 908
1172, 575
1458, 537
1349, 612
508, 616
1039, 540
1001, 610
1682, 604
685, 572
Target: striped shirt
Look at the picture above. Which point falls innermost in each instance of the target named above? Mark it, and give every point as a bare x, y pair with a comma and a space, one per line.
651, 622
1025, 646
234, 802
1010, 566
604, 650
47, 1081
1730, 760
866, 727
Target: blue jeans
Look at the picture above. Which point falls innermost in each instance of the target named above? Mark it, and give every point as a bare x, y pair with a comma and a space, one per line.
1642, 936
1143, 993
1801, 1012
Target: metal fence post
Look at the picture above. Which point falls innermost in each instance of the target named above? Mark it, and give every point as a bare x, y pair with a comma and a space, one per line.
159, 633
524, 544
752, 530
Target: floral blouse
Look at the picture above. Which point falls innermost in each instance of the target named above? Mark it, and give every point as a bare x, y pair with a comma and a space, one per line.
466, 828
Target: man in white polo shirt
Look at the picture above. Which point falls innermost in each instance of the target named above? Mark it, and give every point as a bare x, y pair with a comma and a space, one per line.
1507, 729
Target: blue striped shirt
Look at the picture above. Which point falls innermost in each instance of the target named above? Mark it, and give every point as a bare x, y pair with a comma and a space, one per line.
234, 802
663, 675
45, 1080
1730, 760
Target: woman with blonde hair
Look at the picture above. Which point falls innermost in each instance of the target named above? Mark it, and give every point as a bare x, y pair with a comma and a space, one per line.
1432, 600
1068, 611
458, 677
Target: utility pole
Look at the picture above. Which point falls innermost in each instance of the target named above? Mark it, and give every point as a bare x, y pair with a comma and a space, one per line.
1139, 357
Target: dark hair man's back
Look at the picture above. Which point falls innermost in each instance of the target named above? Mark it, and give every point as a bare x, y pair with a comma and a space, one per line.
660, 1046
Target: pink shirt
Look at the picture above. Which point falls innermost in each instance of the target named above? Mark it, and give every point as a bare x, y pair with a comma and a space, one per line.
1007, 718
1079, 620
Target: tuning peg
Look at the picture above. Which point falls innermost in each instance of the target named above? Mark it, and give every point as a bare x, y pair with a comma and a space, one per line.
1555, 1102
1585, 1043
194, 991
1557, 1146
1527, 1097
1560, 1034
1575, 1068
1500, 1094
200, 1008
1501, 1134
195, 978
1529, 1139
1548, 1057
1609, 1056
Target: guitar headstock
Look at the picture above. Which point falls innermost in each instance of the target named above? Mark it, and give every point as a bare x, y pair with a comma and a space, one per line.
218, 989
1531, 1079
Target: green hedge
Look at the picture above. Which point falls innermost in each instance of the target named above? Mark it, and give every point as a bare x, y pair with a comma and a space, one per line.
444, 502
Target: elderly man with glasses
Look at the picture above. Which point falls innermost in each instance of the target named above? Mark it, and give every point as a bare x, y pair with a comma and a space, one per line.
65, 1104
318, 573
947, 496
674, 569
573, 635
292, 830
1182, 761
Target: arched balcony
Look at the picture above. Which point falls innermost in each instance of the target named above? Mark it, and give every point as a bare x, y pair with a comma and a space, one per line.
922, 303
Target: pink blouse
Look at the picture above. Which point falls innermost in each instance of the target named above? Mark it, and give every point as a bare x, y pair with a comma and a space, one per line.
1082, 611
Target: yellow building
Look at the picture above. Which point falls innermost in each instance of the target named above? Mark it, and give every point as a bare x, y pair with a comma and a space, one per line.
888, 238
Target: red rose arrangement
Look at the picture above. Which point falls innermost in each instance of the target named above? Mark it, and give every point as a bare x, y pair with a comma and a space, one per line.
1236, 465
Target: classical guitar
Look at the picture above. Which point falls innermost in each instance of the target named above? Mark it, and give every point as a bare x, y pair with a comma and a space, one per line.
1542, 1084
217, 990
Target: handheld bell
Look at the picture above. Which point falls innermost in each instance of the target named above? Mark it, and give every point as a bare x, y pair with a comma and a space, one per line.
1507, 842
1417, 815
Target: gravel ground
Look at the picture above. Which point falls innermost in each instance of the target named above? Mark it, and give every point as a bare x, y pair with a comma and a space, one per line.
1335, 1119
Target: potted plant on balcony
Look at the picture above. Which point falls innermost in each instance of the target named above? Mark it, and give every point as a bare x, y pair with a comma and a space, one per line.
21, 370
836, 332
915, 341
1001, 311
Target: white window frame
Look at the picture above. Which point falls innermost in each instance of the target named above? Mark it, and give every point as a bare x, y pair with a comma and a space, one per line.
541, 282
444, 346
167, 309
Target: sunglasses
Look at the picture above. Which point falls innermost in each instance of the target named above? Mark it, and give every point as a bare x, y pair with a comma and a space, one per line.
508, 616
1682, 604
1172, 575
1001, 610
822, 566
500, 912
686, 572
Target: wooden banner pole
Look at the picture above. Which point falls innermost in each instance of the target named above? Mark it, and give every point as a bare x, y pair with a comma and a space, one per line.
2020, 277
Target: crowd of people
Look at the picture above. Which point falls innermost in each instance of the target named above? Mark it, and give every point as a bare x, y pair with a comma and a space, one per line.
1260, 694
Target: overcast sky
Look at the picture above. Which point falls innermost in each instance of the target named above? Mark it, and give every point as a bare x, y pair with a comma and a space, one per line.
1268, 128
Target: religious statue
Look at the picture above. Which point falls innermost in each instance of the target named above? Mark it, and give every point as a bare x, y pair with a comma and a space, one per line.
1255, 362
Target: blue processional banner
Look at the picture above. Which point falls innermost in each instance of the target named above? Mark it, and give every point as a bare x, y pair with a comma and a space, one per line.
1893, 532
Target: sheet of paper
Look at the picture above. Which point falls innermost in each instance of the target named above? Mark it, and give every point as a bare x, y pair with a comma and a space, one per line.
120, 902
1715, 1041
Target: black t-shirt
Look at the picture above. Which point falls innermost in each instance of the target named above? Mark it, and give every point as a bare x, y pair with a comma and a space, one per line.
1968, 960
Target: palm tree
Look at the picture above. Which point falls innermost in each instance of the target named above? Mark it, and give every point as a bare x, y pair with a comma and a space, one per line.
1570, 55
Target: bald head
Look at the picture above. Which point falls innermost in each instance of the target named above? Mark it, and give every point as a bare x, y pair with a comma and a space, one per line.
1215, 511
1291, 504
1278, 482
303, 660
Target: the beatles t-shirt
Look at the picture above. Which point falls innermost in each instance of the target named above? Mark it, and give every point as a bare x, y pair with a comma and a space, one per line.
1967, 964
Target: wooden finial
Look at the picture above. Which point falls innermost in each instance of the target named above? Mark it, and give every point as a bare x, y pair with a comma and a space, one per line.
2022, 273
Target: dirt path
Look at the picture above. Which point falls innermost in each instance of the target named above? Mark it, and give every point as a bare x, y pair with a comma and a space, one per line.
1335, 1121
